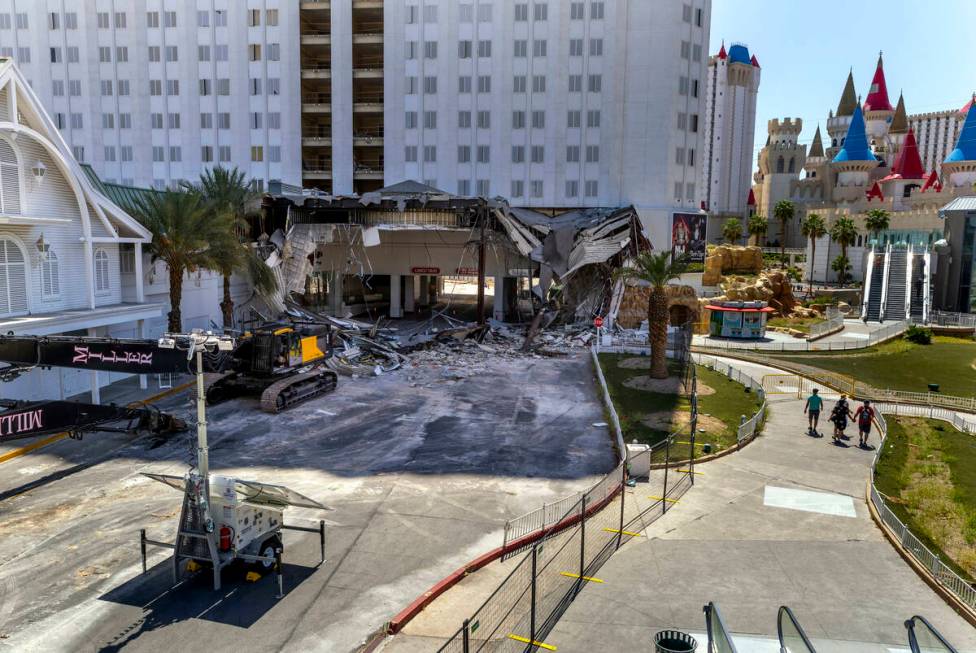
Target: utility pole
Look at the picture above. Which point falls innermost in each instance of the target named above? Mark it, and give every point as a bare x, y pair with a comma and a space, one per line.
482, 216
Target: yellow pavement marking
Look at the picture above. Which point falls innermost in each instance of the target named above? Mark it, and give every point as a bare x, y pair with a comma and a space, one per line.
587, 578
526, 640
51, 439
697, 444
614, 530
688, 471
663, 499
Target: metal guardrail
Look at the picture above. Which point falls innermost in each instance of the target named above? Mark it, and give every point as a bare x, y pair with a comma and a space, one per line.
831, 324
882, 334
945, 576
944, 318
749, 426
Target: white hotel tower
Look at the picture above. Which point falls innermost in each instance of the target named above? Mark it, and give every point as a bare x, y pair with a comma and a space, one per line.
549, 103
729, 126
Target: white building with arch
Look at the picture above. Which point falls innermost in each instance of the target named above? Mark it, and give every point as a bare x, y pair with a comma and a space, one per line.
70, 258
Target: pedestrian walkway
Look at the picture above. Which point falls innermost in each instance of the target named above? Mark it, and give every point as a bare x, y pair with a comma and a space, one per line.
784, 521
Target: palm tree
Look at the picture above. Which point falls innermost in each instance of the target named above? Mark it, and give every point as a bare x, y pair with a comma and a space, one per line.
784, 212
183, 235
732, 230
228, 192
877, 220
657, 270
840, 265
757, 226
812, 227
844, 233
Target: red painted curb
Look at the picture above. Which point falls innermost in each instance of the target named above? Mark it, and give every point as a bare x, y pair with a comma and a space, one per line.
399, 621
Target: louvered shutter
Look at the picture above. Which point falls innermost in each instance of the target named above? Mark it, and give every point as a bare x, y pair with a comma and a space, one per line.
9, 179
13, 279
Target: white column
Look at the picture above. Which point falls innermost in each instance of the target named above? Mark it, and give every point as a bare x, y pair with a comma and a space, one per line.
409, 293
140, 281
141, 333
396, 297
499, 302
96, 392
424, 290
90, 271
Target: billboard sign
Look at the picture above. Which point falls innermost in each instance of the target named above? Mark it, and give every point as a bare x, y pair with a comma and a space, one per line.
688, 236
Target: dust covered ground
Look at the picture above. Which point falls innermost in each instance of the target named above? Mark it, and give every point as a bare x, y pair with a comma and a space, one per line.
423, 467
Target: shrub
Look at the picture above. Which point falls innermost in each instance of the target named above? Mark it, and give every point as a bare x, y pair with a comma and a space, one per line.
919, 335
794, 273
695, 267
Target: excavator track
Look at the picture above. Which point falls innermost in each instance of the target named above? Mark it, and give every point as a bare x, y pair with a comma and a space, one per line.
297, 388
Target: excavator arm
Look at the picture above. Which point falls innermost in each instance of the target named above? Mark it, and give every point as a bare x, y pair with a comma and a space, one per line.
167, 355
30, 419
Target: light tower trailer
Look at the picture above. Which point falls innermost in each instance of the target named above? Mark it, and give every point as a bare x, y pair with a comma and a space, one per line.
245, 522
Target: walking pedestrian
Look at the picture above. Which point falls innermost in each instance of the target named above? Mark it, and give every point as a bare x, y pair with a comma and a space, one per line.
839, 416
812, 410
864, 416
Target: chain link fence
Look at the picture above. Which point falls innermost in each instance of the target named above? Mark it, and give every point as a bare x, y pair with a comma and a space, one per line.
945, 575
834, 322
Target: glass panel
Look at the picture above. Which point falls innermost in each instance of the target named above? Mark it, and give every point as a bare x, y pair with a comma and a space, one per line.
792, 639
719, 639
923, 638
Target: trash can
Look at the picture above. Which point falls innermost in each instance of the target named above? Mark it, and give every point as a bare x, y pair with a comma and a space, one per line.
933, 387
674, 641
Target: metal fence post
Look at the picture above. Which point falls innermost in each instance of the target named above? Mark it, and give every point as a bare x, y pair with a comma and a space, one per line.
535, 555
667, 463
623, 492
582, 540
466, 637
142, 545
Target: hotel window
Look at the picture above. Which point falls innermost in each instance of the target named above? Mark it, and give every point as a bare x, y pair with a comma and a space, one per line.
592, 153
108, 121
464, 84
484, 13
119, 20
572, 188
576, 47
484, 84
573, 118
540, 11
154, 53
271, 19
521, 12
430, 49
596, 10
430, 120
518, 154
411, 18
591, 188
464, 187
484, 187
572, 153
521, 48
596, 47
223, 153
538, 84
206, 153
430, 85
518, 84
595, 83
464, 119
518, 188
538, 119
593, 118
175, 153
430, 13
410, 153
152, 19
518, 120
254, 51
464, 154
430, 153
172, 54
123, 87
172, 87
257, 153
539, 48
274, 154
577, 10
125, 121
254, 18
104, 54
484, 49
122, 54
203, 19
538, 154
109, 153
170, 17
274, 120
537, 188
464, 49
410, 120
575, 83
484, 120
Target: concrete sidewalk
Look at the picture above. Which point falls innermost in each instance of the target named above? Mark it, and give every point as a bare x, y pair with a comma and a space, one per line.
782, 522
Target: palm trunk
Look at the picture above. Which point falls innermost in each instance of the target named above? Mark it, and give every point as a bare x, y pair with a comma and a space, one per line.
174, 317
657, 327
843, 272
782, 245
227, 306
813, 256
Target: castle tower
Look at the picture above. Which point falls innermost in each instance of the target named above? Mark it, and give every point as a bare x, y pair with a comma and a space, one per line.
780, 163
855, 161
730, 129
898, 129
815, 156
840, 120
878, 111
959, 169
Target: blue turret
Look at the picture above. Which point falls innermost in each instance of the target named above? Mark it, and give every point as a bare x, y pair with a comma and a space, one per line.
966, 145
739, 53
856, 142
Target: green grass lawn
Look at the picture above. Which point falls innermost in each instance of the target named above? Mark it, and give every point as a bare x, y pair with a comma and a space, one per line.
727, 404
799, 323
928, 469
902, 365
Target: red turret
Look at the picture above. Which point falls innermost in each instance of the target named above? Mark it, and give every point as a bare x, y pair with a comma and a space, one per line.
752, 199
755, 62
878, 95
965, 110
908, 164
722, 54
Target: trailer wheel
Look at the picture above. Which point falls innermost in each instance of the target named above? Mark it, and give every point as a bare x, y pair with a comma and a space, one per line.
267, 550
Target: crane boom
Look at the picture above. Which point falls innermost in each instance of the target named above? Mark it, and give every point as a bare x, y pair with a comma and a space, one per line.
27, 420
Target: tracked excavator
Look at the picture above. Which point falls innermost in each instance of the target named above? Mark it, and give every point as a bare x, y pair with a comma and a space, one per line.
281, 363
